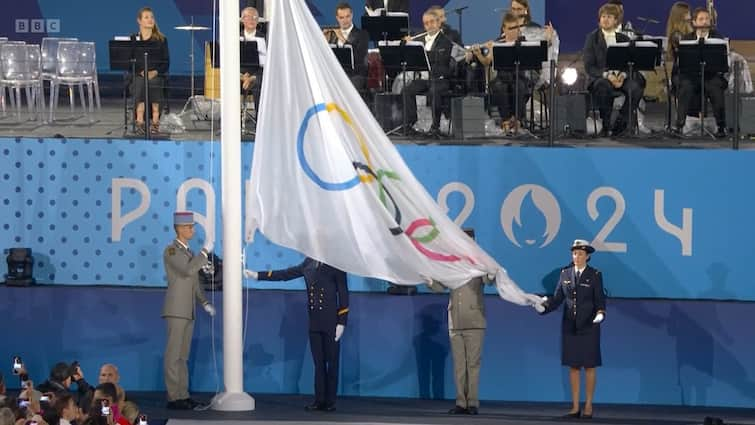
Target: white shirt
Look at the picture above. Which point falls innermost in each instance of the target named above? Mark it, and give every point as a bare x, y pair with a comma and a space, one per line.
610, 36
579, 271
250, 36
430, 41
385, 2
346, 34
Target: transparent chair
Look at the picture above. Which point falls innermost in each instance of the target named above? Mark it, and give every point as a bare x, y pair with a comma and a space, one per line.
50, 58
76, 66
3, 97
21, 69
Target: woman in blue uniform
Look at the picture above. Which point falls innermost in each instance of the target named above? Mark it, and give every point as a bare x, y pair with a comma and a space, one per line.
328, 309
581, 287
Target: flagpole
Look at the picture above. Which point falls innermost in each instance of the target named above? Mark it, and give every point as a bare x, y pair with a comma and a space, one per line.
233, 398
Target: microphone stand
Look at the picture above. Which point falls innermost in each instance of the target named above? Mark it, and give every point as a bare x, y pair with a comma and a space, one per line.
459, 11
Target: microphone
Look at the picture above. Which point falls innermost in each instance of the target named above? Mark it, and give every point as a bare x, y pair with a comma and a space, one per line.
648, 20
501, 9
459, 9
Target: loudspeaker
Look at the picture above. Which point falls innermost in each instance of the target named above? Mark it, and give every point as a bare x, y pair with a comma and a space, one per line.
746, 117
571, 114
388, 111
468, 117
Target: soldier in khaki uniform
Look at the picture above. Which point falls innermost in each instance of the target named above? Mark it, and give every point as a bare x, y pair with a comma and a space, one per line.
466, 329
182, 268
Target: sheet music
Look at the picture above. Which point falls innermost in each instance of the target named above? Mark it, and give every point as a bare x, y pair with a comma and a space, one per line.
345, 46
374, 12
122, 38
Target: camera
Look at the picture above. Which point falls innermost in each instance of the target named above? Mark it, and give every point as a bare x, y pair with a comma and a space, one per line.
142, 420
17, 365
105, 407
44, 399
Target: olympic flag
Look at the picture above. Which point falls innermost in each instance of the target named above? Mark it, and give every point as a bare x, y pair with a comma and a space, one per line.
327, 182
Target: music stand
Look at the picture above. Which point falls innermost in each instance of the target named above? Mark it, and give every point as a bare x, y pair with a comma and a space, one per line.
630, 57
698, 57
386, 28
519, 56
249, 57
142, 51
345, 56
410, 56
121, 59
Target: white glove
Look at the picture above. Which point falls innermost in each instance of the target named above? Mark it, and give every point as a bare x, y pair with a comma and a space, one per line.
209, 309
598, 318
539, 307
491, 276
428, 280
250, 274
207, 246
339, 331
544, 299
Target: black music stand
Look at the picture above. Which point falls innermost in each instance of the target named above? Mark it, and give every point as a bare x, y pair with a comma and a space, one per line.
345, 56
121, 59
630, 57
142, 51
698, 58
407, 57
386, 28
249, 61
519, 56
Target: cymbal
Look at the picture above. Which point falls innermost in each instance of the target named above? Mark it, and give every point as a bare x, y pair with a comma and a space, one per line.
191, 28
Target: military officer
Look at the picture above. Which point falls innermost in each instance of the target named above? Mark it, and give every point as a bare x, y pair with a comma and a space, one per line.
581, 286
466, 329
328, 310
182, 268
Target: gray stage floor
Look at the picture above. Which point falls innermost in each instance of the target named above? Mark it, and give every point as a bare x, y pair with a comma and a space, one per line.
108, 123
279, 409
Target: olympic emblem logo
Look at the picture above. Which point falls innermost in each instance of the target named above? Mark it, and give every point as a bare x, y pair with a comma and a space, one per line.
366, 174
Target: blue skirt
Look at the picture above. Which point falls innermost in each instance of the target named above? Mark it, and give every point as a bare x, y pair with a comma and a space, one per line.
581, 349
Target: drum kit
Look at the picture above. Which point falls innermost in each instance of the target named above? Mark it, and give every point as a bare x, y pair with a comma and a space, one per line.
192, 28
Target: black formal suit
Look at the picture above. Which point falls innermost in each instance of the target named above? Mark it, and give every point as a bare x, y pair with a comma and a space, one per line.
158, 59
584, 296
603, 92
452, 34
328, 306
258, 72
359, 41
393, 5
439, 57
688, 89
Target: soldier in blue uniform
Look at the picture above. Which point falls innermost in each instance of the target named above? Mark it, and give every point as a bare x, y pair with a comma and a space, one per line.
328, 310
581, 286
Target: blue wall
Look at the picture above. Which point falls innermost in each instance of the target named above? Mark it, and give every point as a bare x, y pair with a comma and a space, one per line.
526, 204
654, 352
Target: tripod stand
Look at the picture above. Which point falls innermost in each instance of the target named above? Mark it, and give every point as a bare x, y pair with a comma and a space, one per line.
698, 57
632, 57
191, 28
407, 57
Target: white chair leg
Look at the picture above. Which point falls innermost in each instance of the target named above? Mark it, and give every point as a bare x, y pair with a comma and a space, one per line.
97, 92
71, 100
84, 107
53, 100
18, 103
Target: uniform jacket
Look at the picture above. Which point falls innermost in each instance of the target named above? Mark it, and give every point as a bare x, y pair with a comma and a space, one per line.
327, 293
584, 299
466, 306
183, 281
359, 41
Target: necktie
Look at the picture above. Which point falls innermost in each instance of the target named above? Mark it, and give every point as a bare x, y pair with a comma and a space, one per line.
576, 276
191, 254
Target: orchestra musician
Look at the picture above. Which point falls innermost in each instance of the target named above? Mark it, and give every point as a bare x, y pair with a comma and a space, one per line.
387, 5
451, 33
251, 79
348, 34
434, 83
678, 25
503, 87
604, 84
689, 87
258, 5
158, 68
533, 31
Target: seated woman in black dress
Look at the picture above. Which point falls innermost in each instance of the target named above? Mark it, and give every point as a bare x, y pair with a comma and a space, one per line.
158, 62
581, 286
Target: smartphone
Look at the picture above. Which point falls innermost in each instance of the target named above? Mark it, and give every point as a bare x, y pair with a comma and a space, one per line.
105, 408
142, 420
17, 365
44, 399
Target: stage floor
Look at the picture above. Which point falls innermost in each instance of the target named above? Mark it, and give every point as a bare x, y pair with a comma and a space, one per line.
289, 409
108, 123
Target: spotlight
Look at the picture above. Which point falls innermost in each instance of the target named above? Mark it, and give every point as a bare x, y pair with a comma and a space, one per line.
20, 266
569, 76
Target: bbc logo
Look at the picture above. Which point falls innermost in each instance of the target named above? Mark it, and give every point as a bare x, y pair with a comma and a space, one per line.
37, 25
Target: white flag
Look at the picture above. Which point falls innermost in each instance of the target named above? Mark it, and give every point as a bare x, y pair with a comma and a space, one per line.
327, 182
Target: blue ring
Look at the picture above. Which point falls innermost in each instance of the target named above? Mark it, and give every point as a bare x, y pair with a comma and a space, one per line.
320, 107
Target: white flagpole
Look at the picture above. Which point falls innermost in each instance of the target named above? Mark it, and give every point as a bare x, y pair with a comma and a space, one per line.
233, 398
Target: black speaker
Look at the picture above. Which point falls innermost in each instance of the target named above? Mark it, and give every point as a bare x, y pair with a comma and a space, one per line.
746, 114
468, 117
20, 267
571, 113
388, 111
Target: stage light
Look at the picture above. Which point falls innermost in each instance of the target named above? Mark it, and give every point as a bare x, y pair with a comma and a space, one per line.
20, 266
569, 76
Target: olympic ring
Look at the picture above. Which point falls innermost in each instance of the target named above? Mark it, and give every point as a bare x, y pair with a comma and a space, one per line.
332, 186
419, 241
383, 191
